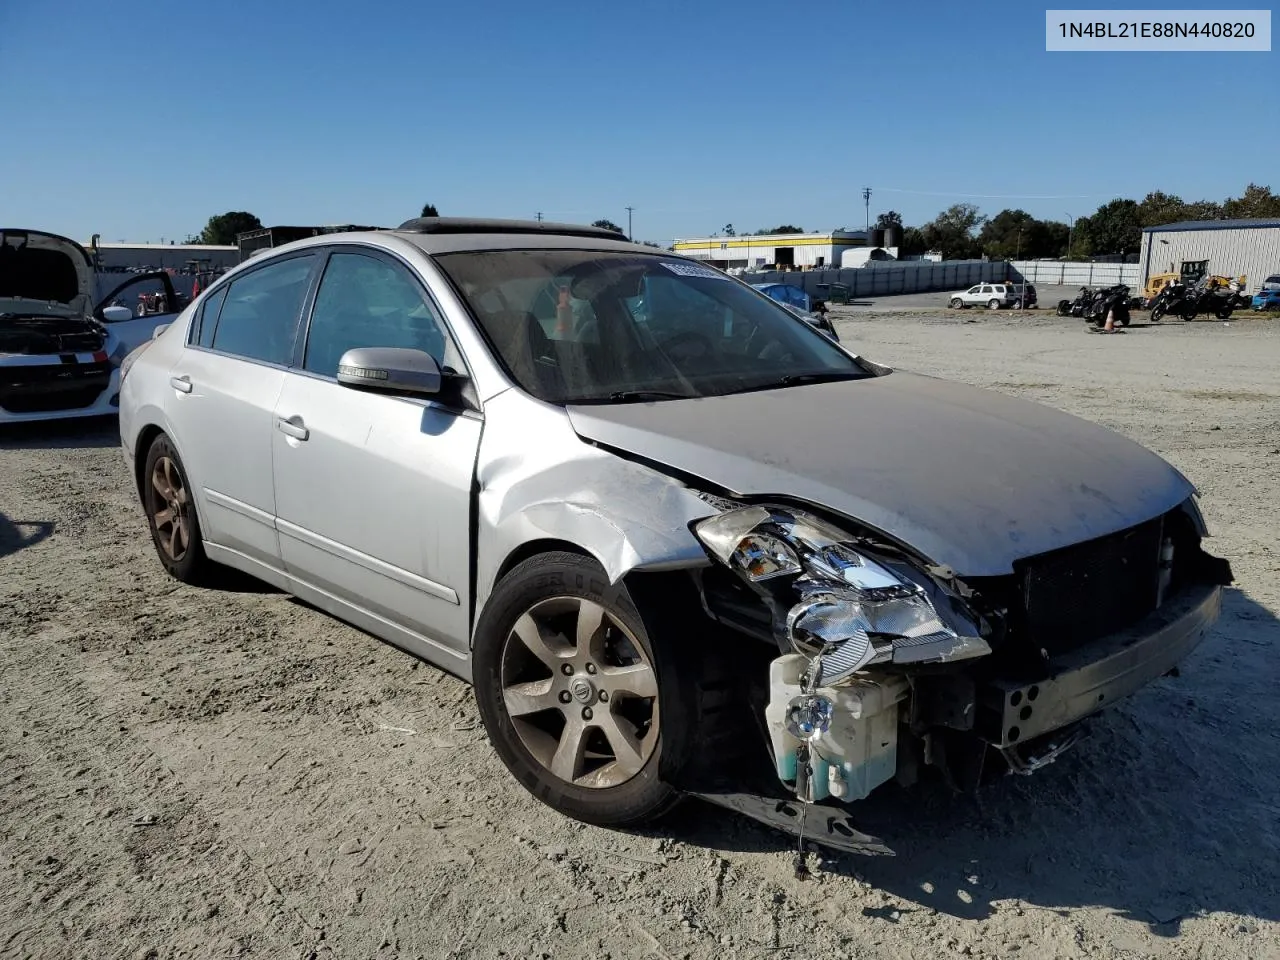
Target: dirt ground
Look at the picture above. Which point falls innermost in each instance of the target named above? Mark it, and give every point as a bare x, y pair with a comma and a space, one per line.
199, 773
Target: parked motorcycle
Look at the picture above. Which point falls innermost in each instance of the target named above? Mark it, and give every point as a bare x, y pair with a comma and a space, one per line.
1076, 307
1205, 298
1108, 300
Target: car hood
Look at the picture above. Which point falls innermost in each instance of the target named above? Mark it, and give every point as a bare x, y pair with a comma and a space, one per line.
43, 272
968, 478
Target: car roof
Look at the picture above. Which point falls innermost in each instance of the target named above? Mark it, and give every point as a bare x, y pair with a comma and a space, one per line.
435, 235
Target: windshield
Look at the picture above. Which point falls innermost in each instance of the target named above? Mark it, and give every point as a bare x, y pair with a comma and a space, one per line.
575, 326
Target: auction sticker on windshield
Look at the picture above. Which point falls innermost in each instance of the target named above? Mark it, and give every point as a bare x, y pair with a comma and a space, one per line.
683, 269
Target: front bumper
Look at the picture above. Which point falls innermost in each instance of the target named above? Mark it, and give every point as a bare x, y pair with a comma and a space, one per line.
104, 403
1093, 677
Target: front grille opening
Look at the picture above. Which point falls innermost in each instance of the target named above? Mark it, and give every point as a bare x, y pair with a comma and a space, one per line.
1075, 595
47, 389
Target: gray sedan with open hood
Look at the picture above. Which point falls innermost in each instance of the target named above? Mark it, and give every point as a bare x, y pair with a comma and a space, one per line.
680, 541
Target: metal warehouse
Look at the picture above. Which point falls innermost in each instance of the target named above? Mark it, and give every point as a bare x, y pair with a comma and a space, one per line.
1217, 247
114, 257
781, 249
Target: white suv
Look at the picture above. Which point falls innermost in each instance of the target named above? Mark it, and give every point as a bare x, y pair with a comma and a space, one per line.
992, 295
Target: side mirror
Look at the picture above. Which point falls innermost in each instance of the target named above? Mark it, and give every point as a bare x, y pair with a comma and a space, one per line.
390, 370
116, 314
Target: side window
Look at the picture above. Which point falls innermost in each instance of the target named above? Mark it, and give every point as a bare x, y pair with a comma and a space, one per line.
260, 311
367, 302
202, 329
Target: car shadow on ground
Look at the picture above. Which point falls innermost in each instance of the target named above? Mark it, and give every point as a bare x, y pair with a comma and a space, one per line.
97, 432
1165, 812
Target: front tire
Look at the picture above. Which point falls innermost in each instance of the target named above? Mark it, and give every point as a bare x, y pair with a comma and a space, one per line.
171, 514
573, 691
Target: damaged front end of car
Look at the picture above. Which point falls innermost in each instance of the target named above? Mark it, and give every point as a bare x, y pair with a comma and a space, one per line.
887, 663
843, 614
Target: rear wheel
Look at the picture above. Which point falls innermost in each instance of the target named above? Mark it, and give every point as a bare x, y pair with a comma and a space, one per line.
171, 514
573, 692
957, 303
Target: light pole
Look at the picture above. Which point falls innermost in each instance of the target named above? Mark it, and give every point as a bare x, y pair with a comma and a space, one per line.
1071, 226
629, 237
866, 199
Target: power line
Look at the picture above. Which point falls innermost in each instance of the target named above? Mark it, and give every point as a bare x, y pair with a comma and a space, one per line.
995, 196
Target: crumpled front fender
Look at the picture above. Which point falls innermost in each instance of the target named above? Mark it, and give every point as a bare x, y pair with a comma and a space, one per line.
538, 480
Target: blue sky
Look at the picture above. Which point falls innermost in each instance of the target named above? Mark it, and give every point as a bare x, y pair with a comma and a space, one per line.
140, 120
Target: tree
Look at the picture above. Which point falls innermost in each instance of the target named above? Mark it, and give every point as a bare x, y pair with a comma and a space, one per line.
891, 218
1256, 202
608, 225
1158, 207
952, 232
1007, 234
429, 210
913, 242
1056, 236
785, 228
1015, 233
221, 230
729, 231
1114, 228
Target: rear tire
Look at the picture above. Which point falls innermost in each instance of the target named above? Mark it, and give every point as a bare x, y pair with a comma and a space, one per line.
171, 514
579, 700
957, 303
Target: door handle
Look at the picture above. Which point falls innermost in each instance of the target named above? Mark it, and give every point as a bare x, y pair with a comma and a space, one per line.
293, 427
181, 384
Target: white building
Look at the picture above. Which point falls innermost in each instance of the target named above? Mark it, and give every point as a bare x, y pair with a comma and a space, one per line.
1225, 248
781, 249
119, 257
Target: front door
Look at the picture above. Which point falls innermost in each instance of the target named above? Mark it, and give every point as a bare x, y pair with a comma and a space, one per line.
150, 300
224, 389
373, 492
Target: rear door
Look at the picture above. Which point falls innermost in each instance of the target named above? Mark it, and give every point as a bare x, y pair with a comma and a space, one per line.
373, 492
224, 392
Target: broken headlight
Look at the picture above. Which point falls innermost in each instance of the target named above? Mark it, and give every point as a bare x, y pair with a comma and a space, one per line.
835, 601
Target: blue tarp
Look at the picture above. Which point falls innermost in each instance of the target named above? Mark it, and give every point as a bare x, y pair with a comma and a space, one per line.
786, 293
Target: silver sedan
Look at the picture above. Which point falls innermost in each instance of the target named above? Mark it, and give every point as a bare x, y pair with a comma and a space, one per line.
678, 539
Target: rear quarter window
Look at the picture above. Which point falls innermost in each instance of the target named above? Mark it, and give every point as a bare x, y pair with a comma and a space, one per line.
207, 318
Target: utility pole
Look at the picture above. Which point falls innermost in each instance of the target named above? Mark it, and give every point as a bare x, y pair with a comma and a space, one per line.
1022, 300
629, 209
866, 199
1071, 226
539, 216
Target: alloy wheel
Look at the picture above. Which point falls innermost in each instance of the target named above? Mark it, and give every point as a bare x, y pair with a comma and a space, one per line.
170, 509
581, 692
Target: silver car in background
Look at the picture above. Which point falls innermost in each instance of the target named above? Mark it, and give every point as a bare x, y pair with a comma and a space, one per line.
678, 539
